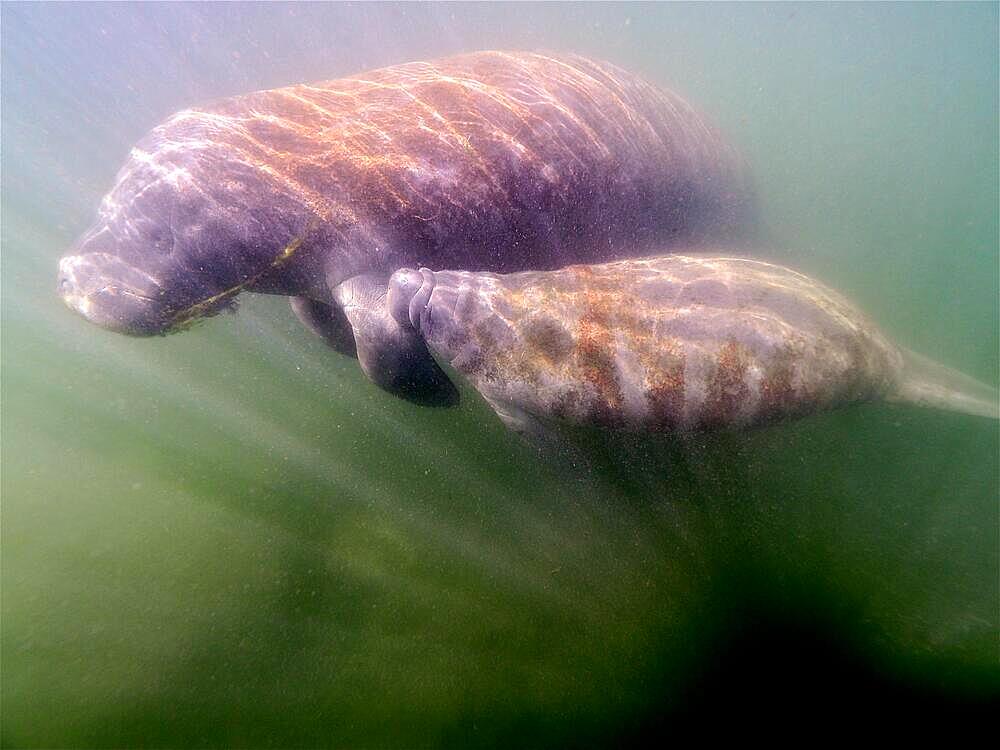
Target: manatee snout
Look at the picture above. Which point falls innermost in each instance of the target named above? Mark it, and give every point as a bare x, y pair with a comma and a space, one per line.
408, 294
111, 293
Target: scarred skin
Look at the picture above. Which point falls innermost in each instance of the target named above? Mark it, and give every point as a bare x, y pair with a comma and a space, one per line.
670, 344
491, 161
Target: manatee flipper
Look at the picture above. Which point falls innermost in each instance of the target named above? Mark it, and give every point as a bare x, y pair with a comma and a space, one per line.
931, 384
328, 322
394, 357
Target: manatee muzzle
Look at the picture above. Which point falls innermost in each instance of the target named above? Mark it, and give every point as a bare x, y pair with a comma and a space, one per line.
408, 294
111, 293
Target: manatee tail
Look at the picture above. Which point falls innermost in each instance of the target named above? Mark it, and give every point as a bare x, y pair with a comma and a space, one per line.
927, 383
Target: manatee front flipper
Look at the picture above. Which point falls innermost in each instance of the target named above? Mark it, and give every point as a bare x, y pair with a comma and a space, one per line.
394, 357
328, 322
475, 342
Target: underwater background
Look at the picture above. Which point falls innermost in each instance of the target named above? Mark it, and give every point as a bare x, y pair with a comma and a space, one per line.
231, 538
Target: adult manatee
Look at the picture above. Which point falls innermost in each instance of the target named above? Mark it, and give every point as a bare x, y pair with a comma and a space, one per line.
666, 344
492, 161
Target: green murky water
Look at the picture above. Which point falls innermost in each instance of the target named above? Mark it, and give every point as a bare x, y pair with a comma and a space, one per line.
230, 537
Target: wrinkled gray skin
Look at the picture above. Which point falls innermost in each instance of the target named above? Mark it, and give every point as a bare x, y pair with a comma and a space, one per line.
488, 161
665, 344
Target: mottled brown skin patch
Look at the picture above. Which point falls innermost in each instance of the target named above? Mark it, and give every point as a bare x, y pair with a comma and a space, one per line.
777, 395
494, 362
666, 397
489, 368
727, 388
594, 353
596, 359
664, 367
549, 338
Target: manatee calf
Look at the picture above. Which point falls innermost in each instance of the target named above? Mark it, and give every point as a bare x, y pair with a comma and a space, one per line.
671, 343
492, 161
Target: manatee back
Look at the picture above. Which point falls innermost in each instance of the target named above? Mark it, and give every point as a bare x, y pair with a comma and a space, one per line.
499, 161
666, 343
